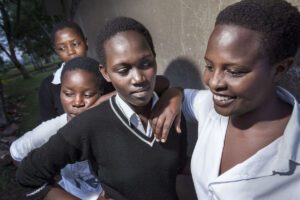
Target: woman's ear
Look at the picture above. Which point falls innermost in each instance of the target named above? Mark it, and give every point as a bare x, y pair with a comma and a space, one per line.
103, 71
282, 67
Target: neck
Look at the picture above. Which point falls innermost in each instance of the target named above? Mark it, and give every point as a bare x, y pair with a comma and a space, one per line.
273, 109
142, 110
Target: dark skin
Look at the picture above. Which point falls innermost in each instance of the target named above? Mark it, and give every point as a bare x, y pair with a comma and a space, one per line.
131, 67
69, 44
141, 79
256, 117
244, 86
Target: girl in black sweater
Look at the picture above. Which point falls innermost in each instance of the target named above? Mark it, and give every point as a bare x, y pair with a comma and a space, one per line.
115, 136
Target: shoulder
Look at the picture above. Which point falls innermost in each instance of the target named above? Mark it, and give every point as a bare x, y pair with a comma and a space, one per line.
197, 102
47, 80
93, 117
46, 85
56, 122
193, 95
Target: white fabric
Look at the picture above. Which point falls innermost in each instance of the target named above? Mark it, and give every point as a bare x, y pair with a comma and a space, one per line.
37, 137
57, 75
271, 173
77, 178
132, 117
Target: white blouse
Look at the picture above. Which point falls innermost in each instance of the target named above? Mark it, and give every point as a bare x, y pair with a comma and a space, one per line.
271, 173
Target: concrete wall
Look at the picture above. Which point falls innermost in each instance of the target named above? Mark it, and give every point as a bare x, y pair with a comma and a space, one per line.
180, 29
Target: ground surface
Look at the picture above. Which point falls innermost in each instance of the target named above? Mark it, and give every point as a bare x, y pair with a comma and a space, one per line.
22, 98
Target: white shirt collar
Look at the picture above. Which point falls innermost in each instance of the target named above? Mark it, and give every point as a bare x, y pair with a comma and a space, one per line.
57, 75
277, 155
290, 143
133, 118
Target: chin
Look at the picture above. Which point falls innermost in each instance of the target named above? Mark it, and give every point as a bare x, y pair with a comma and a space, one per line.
223, 112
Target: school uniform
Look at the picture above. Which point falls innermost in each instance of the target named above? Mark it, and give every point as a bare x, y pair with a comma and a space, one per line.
271, 173
76, 178
129, 163
49, 96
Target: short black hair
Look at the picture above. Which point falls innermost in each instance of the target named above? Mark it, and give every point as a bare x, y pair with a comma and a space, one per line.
277, 21
90, 65
66, 24
117, 25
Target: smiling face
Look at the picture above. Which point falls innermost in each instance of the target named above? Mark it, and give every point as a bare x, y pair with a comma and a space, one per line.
69, 44
237, 73
79, 91
131, 67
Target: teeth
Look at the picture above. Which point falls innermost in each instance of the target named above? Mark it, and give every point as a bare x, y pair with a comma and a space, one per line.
221, 98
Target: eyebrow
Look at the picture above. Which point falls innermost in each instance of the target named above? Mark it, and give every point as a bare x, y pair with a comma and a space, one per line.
66, 41
145, 56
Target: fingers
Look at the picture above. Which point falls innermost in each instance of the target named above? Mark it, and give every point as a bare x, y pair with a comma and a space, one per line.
157, 124
161, 126
166, 129
177, 123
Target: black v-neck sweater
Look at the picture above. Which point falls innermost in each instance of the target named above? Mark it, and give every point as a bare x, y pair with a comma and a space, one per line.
128, 164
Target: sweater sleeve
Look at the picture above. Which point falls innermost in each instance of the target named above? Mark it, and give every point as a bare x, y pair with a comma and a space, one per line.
37, 170
36, 137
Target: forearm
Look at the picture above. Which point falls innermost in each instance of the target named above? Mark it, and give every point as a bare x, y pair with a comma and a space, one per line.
37, 170
57, 193
161, 85
103, 98
36, 137
166, 112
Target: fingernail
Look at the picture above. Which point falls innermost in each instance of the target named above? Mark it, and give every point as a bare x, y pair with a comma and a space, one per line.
157, 140
163, 140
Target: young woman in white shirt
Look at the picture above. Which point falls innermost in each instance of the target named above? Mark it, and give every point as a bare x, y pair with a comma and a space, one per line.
248, 143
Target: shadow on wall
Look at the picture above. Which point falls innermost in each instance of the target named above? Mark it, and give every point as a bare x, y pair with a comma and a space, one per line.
184, 73
291, 81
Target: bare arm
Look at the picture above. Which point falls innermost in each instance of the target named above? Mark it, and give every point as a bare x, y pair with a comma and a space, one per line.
166, 111
104, 98
162, 84
56, 193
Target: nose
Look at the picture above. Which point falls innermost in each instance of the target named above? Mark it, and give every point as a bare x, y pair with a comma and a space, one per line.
217, 81
70, 50
78, 101
137, 76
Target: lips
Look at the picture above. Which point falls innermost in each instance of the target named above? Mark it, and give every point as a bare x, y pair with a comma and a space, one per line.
223, 100
74, 114
141, 93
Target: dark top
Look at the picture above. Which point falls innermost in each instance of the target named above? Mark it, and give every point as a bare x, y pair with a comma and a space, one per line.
129, 164
49, 99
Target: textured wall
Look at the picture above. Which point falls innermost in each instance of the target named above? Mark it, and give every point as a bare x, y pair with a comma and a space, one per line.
180, 29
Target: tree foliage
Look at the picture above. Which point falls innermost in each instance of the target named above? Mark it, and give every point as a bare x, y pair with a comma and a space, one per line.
24, 27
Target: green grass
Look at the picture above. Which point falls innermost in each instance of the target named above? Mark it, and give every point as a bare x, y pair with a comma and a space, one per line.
27, 88
14, 72
15, 88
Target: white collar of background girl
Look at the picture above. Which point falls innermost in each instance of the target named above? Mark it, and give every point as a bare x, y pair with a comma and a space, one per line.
57, 75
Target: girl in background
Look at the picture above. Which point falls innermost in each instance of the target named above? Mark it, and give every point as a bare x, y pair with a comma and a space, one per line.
69, 42
81, 87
